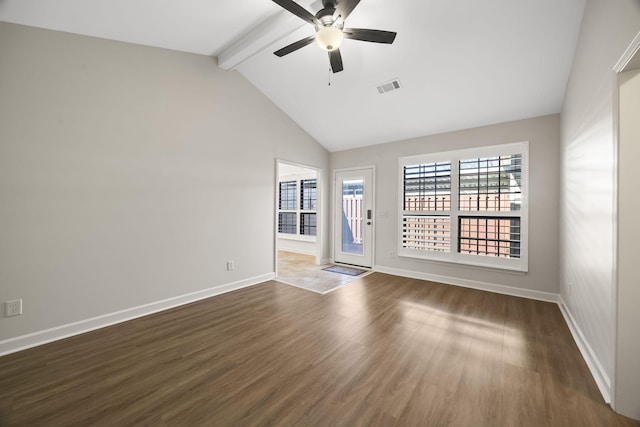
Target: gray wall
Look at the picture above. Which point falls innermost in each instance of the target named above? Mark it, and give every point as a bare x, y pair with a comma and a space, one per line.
129, 175
543, 134
588, 172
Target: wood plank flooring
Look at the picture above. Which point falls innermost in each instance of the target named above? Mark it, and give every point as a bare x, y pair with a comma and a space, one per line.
380, 351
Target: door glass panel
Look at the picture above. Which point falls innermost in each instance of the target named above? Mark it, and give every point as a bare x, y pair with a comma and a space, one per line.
352, 216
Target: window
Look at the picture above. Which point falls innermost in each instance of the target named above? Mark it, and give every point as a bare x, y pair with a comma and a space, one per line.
297, 203
308, 197
287, 221
466, 206
308, 202
427, 201
287, 200
308, 224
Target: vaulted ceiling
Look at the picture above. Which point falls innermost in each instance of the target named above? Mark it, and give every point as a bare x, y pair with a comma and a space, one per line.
460, 63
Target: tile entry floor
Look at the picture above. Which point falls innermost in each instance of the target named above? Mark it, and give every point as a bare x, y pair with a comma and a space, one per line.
300, 270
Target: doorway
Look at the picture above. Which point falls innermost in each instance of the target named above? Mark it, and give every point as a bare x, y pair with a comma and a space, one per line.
626, 379
298, 210
353, 218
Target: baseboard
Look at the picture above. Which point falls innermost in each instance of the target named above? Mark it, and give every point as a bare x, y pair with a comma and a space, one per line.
298, 251
325, 261
23, 342
597, 371
473, 284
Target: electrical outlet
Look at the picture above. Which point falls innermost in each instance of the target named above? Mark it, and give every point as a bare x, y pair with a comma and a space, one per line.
230, 265
13, 308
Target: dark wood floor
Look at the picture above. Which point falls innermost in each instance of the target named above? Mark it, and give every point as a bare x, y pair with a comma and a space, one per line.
382, 350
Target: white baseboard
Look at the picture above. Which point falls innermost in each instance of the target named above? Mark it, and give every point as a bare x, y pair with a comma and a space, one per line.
325, 261
23, 342
298, 251
474, 284
597, 371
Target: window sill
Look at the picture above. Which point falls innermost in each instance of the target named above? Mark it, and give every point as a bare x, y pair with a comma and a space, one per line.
517, 270
300, 238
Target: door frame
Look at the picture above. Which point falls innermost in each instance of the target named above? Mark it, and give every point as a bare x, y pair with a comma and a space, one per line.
320, 240
334, 210
623, 64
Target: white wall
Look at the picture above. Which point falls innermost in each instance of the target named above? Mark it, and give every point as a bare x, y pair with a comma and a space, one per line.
130, 174
297, 246
627, 381
587, 173
543, 134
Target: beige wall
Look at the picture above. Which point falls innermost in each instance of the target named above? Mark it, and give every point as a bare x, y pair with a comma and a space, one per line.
543, 134
129, 175
587, 168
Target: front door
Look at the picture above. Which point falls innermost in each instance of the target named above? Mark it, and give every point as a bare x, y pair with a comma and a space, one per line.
354, 217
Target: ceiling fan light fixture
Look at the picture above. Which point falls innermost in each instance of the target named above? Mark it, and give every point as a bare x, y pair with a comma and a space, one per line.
329, 25
329, 38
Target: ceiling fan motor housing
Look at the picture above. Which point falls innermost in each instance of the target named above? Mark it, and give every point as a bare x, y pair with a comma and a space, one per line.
329, 4
325, 16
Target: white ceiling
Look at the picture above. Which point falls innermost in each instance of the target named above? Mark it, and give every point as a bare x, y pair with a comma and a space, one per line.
461, 63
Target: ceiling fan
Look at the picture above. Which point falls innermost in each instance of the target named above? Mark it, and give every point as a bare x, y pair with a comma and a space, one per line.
330, 31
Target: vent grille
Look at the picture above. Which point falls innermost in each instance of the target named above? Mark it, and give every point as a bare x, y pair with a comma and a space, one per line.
389, 86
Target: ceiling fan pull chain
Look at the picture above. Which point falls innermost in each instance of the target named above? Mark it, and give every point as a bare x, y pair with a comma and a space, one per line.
329, 76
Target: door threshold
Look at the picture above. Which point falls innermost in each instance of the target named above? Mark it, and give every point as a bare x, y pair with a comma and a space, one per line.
353, 265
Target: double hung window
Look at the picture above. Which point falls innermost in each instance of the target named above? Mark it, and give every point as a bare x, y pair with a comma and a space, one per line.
297, 204
466, 206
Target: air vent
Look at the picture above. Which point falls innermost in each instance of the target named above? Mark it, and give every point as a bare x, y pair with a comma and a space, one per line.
389, 86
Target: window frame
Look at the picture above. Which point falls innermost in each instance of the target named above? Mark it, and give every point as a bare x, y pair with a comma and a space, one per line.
453, 255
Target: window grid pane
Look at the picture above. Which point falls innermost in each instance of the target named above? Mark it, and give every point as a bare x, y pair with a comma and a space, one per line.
287, 222
308, 224
498, 237
427, 187
287, 199
308, 194
428, 233
491, 183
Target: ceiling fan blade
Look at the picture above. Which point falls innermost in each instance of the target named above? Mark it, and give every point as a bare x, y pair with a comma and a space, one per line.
336, 61
294, 46
375, 36
345, 7
299, 11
